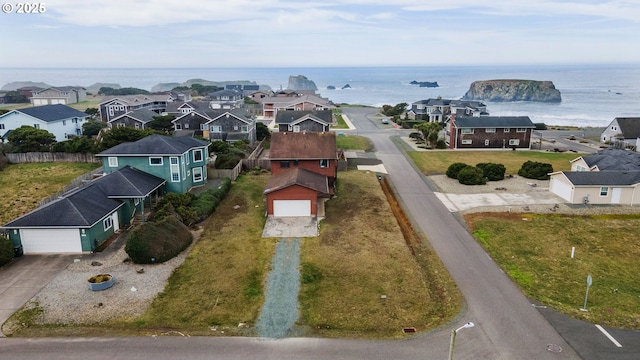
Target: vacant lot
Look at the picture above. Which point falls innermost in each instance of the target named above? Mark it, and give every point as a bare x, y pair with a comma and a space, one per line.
354, 142
22, 186
535, 250
437, 162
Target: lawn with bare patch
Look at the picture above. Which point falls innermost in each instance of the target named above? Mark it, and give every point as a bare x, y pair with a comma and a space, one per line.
535, 250
22, 186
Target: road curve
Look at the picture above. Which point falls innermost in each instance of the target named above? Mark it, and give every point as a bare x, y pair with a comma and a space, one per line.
507, 325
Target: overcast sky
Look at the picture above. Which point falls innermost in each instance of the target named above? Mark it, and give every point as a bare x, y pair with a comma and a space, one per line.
300, 33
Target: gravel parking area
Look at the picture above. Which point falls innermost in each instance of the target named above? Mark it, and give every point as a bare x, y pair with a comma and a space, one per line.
68, 300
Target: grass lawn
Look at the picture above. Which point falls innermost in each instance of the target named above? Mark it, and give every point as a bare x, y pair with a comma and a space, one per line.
535, 250
22, 186
437, 162
362, 255
220, 283
354, 142
341, 123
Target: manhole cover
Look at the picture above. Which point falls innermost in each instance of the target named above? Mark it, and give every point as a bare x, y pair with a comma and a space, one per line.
554, 348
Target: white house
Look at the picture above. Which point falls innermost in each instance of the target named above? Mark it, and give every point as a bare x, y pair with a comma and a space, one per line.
60, 120
622, 132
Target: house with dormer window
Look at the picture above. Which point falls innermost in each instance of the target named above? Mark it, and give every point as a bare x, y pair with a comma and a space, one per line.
121, 105
306, 102
181, 161
138, 119
226, 99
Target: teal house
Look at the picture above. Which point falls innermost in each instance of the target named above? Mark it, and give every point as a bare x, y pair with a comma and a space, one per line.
181, 161
82, 219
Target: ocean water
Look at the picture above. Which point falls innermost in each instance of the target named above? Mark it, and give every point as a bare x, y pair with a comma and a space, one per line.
592, 95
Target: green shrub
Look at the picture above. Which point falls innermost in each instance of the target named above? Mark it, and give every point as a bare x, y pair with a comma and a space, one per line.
454, 169
6, 250
471, 175
492, 171
157, 242
440, 144
535, 170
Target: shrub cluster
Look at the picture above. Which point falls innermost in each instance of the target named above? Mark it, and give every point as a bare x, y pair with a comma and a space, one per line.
535, 170
157, 242
190, 209
6, 250
476, 175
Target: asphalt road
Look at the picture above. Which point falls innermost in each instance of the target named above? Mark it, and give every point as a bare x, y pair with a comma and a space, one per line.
507, 325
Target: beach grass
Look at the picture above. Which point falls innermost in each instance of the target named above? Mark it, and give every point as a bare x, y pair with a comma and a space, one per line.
535, 250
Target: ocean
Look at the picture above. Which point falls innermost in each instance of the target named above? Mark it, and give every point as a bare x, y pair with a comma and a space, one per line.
592, 95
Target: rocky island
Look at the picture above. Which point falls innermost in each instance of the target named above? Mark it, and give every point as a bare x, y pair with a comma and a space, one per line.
513, 90
431, 84
300, 82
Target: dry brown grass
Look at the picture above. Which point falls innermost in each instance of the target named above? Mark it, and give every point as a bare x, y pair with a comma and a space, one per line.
361, 256
22, 186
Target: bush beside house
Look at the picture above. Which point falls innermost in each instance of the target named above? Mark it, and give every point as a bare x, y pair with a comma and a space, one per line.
6, 250
157, 242
535, 170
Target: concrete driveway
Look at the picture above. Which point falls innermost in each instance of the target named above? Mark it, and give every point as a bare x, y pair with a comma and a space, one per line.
24, 277
299, 226
461, 202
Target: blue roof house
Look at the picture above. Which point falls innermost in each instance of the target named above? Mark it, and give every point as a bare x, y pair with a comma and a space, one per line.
181, 161
82, 219
60, 120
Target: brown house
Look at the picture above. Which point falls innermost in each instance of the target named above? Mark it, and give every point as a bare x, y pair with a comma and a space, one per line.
491, 132
303, 173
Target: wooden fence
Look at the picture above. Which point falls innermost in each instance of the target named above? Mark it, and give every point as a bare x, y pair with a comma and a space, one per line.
224, 173
36, 157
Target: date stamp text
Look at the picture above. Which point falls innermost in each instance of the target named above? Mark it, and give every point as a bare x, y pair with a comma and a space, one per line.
24, 8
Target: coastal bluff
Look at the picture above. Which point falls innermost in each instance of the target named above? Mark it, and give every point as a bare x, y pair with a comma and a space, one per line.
300, 82
513, 90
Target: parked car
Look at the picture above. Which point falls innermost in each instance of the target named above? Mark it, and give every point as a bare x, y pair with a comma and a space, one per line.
385, 121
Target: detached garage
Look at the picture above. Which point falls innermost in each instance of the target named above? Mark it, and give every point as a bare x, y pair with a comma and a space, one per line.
295, 193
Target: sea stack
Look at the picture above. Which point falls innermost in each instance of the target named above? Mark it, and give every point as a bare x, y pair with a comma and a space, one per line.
300, 82
513, 90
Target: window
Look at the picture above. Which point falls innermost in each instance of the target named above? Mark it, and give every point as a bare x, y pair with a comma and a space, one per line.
581, 168
284, 164
467, 131
64, 122
197, 174
506, 130
324, 163
137, 126
244, 129
466, 142
204, 127
514, 142
113, 161
604, 191
174, 168
186, 125
296, 128
37, 126
1, 126
178, 126
184, 167
108, 223
235, 128
490, 130
197, 155
216, 129
136, 201
110, 110
486, 142
521, 130
121, 124
155, 161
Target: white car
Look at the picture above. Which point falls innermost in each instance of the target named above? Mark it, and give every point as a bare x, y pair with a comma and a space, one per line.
385, 121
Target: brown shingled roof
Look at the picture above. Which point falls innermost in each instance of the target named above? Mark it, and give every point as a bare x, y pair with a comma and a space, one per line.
302, 145
297, 176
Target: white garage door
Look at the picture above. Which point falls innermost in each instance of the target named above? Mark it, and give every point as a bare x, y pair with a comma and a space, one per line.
58, 101
40, 102
50, 241
561, 189
292, 208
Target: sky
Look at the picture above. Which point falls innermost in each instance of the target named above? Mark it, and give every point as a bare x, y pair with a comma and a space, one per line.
310, 33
